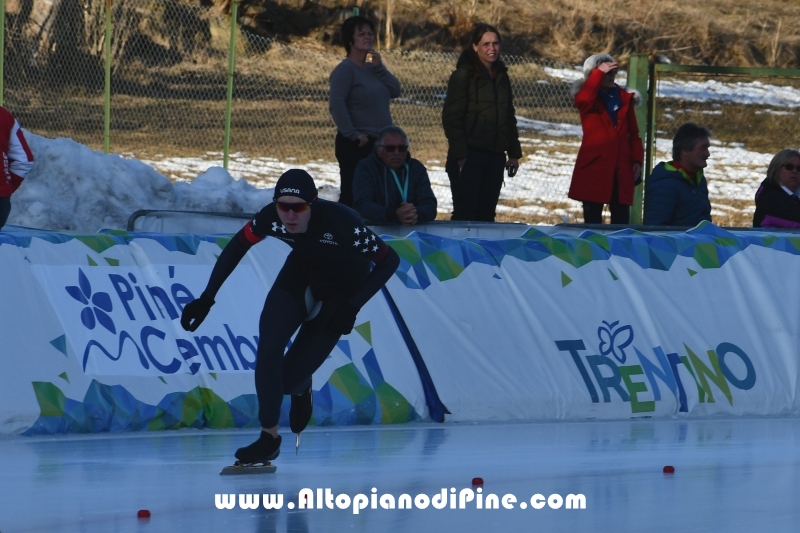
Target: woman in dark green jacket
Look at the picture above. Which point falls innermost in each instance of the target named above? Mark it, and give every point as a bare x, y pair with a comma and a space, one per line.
479, 123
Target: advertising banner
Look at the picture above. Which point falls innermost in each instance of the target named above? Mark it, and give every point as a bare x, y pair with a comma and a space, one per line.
605, 326
92, 340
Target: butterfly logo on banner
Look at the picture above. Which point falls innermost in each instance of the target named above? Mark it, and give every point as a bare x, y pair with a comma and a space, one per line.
614, 341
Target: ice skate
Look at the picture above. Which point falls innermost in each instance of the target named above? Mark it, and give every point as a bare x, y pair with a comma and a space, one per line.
300, 413
239, 468
255, 458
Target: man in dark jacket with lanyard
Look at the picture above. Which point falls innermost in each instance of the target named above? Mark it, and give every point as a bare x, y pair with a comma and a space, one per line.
332, 255
390, 187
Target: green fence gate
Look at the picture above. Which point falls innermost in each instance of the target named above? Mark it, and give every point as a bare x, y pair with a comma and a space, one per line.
752, 114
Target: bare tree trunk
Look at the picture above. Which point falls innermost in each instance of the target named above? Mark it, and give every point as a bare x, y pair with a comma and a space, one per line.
125, 22
388, 42
776, 47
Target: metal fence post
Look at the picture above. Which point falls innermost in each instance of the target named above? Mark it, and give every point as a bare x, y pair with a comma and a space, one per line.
231, 68
107, 83
2, 46
637, 79
650, 142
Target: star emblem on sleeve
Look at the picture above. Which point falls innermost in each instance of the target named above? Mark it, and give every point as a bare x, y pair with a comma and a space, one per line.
365, 244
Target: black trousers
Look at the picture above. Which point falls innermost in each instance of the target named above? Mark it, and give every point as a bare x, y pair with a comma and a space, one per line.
348, 153
476, 187
284, 312
5, 210
620, 213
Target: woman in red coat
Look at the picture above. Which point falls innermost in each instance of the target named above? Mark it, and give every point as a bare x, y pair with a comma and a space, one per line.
609, 163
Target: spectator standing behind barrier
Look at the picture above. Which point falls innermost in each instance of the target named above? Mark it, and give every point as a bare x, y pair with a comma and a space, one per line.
480, 126
609, 163
390, 187
360, 91
677, 192
777, 204
18, 161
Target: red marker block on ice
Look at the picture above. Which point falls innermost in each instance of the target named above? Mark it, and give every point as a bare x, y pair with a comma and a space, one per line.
477, 481
669, 469
143, 513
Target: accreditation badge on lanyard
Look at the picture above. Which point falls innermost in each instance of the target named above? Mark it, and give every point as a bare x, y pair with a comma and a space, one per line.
404, 189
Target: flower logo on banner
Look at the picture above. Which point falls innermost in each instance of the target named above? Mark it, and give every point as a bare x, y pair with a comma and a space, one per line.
613, 341
98, 309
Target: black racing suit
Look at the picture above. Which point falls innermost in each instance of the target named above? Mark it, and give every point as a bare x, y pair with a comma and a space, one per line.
333, 257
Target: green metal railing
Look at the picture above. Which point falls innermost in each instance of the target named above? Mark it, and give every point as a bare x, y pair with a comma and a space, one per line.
231, 71
107, 84
637, 79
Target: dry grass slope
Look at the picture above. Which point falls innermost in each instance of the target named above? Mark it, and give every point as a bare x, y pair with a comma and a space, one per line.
759, 33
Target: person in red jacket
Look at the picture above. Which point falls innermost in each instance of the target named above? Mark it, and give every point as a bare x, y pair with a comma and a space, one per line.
609, 163
17, 161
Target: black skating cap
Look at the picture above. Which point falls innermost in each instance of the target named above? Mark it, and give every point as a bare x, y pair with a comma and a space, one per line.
296, 182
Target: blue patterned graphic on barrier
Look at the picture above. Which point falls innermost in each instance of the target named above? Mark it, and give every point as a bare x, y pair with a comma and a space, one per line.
710, 246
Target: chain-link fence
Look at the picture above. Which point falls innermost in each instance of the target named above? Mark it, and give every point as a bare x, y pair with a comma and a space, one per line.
168, 95
168, 74
169, 63
281, 109
752, 115
54, 70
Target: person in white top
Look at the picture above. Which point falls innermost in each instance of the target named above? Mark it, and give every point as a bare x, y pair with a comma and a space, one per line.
17, 161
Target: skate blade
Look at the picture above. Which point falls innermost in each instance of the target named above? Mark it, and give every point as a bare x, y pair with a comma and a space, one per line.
239, 468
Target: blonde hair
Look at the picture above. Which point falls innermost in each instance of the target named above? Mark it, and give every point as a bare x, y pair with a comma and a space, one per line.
780, 159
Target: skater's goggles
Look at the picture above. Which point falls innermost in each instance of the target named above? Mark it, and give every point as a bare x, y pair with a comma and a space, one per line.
297, 208
402, 148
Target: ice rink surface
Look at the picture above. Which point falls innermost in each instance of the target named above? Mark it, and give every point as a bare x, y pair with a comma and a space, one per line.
731, 475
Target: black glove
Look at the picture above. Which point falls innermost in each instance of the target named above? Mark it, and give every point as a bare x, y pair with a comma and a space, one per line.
337, 317
195, 312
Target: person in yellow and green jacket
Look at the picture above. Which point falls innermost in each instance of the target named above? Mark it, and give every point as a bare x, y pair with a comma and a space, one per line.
676, 193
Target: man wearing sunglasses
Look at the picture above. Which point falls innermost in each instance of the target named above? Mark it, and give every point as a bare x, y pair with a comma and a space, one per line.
676, 193
390, 187
331, 261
